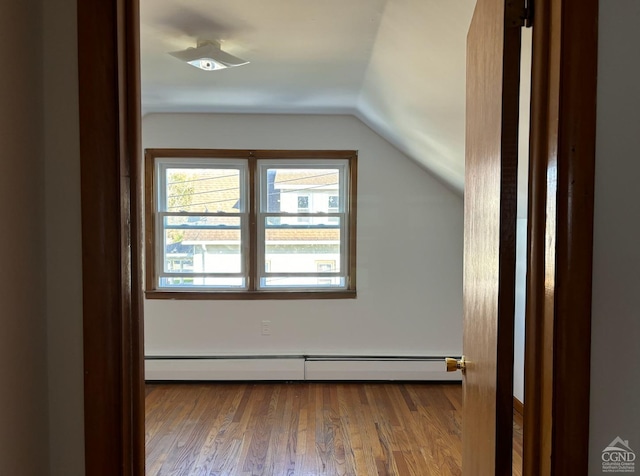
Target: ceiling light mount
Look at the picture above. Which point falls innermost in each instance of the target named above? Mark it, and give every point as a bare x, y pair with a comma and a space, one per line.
208, 56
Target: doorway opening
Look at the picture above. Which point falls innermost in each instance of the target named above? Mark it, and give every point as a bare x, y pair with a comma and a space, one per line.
402, 206
111, 331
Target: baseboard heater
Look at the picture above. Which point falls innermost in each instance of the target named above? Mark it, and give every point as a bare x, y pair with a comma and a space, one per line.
297, 367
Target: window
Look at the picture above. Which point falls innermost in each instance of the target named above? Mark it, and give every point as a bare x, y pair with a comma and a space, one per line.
250, 224
332, 206
303, 203
303, 207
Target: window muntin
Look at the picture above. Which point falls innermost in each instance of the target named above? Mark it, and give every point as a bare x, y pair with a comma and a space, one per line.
251, 224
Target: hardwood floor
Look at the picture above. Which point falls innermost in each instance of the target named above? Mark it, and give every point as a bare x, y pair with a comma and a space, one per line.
517, 443
304, 429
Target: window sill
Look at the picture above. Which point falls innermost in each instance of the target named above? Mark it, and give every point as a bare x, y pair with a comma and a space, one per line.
248, 295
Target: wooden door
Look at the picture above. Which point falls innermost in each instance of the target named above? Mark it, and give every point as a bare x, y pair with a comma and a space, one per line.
493, 74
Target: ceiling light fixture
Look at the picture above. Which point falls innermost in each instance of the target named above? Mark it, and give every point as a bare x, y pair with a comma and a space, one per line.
208, 56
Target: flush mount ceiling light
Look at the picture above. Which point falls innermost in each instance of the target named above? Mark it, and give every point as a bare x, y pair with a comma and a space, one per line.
208, 56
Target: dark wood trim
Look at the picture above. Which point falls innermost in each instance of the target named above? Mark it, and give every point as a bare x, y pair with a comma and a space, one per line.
574, 238
518, 407
304, 154
252, 265
132, 128
255, 153
558, 320
149, 220
353, 222
507, 251
250, 295
536, 440
109, 150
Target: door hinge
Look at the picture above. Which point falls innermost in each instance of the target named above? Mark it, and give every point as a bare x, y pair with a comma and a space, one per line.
519, 13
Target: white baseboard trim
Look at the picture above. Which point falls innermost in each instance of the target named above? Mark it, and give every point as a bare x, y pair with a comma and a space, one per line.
379, 370
224, 369
298, 368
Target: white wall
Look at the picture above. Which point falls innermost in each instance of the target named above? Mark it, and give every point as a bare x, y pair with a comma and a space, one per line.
615, 352
409, 254
413, 91
63, 244
520, 303
23, 372
521, 225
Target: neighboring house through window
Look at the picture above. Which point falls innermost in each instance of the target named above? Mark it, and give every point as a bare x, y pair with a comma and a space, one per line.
241, 223
303, 207
325, 266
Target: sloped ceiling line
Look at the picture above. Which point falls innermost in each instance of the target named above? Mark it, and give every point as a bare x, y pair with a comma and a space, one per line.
397, 65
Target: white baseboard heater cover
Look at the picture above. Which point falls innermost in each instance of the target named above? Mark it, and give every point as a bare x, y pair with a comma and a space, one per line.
224, 369
298, 368
425, 370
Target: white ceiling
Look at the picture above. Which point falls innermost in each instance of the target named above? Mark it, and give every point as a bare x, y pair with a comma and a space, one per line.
398, 65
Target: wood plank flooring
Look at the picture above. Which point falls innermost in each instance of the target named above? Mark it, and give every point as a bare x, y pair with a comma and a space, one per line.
304, 429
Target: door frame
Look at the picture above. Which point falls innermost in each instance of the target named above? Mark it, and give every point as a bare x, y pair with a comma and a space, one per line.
560, 237
560, 210
112, 259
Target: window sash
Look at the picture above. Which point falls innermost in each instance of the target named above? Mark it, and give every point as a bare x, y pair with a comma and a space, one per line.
161, 254
342, 168
162, 167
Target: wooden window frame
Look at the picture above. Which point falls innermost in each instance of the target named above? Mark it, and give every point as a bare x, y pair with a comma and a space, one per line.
252, 252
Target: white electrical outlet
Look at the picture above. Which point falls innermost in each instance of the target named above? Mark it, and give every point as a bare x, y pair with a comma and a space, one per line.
266, 328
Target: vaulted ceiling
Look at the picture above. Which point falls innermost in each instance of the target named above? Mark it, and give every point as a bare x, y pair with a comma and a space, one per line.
398, 65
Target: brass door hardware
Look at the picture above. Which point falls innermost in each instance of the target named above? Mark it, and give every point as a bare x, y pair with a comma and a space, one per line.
454, 364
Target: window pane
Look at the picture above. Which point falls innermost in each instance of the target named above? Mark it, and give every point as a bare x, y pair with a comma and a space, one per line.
301, 190
304, 222
302, 249
303, 202
178, 258
202, 244
303, 282
199, 190
193, 282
